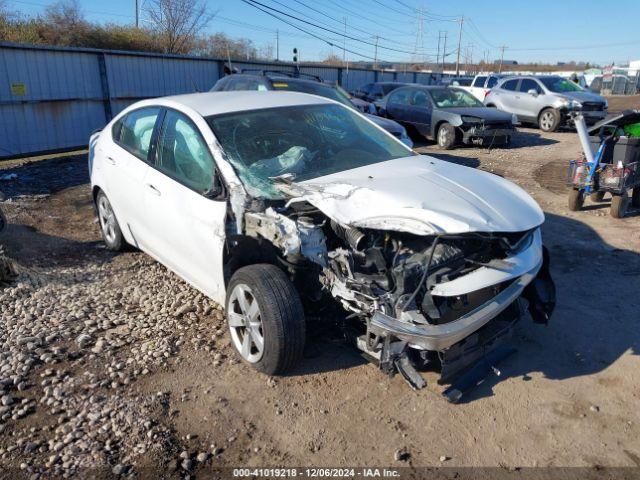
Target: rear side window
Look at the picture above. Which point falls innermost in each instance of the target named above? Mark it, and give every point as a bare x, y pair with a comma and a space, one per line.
528, 84
183, 154
479, 81
510, 85
400, 97
492, 82
243, 83
389, 87
133, 131
221, 85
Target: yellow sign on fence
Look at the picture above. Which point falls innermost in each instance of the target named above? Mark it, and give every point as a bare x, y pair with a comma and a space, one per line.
18, 89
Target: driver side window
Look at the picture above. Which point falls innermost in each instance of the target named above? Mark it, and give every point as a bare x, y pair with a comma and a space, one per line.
183, 154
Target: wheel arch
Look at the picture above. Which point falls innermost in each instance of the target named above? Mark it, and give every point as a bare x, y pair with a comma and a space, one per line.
244, 250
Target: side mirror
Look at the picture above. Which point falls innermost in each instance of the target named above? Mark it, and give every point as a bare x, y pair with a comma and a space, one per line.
217, 189
533, 92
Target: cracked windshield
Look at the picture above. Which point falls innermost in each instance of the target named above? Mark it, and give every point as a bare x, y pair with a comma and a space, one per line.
306, 142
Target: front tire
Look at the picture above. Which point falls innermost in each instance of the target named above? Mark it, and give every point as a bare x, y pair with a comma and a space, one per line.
446, 136
549, 120
576, 200
109, 226
265, 318
619, 204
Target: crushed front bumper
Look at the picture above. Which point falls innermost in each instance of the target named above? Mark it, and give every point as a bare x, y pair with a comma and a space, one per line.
524, 274
487, 136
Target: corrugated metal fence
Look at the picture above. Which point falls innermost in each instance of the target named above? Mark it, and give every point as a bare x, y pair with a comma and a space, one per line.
52, 98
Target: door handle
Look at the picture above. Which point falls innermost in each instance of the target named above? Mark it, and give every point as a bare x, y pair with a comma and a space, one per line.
111, 160
153, 189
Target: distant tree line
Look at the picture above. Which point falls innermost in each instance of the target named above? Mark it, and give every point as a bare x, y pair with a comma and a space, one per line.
169, 26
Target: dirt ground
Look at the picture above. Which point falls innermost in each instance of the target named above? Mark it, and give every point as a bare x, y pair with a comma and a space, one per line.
618, 103
568, 398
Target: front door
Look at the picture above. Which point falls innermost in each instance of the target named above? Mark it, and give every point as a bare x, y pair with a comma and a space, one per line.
189, 225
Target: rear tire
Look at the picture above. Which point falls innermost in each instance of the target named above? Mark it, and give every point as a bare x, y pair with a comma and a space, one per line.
446, 136
265, 318
576, 200
619, 205
549, 120
109, 226
596, 196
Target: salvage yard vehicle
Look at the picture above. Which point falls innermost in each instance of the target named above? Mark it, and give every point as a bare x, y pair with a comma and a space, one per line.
376, 90
268, 201
482, 84
282, 81
546, 100
449, 115
611, 163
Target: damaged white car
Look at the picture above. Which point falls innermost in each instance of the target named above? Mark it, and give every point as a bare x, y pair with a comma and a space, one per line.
268, 201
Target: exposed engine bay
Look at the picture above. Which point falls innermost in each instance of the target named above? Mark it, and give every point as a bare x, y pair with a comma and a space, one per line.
413, 301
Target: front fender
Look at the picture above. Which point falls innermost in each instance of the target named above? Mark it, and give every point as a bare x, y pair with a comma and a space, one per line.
541, 292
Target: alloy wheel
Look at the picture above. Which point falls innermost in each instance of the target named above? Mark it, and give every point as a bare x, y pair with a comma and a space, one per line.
547, 120
107, 219
245, 323
443, 137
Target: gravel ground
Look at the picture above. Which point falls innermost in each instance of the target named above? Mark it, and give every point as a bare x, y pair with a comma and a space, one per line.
110, 364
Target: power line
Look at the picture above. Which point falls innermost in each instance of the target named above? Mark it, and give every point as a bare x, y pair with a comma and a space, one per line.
368, 19
368, 32
248, 2
255, 2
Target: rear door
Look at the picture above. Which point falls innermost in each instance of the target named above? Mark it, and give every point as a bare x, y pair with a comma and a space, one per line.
188, 225
527, 106
126, 166
397, 105
420, 109
507, 95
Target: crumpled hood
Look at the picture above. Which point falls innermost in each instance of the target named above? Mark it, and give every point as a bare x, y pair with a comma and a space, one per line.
583, 96
420, 195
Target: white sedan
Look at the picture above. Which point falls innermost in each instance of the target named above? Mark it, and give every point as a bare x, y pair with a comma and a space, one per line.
268, 201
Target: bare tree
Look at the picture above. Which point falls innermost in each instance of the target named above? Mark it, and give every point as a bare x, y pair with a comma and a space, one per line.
65, 13
64, 24
178, 22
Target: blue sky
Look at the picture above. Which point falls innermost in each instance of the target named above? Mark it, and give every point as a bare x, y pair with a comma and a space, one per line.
540, 30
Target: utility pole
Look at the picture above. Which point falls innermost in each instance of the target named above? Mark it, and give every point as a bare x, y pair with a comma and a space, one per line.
137, 15
502, 49
459, 42
438, 54
375, 55
444, 49
277, 45
344, 42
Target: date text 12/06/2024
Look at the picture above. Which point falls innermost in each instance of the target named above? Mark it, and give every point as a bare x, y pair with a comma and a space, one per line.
317, 472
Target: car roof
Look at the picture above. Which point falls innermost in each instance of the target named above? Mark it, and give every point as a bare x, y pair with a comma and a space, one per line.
215, 103
428, 87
